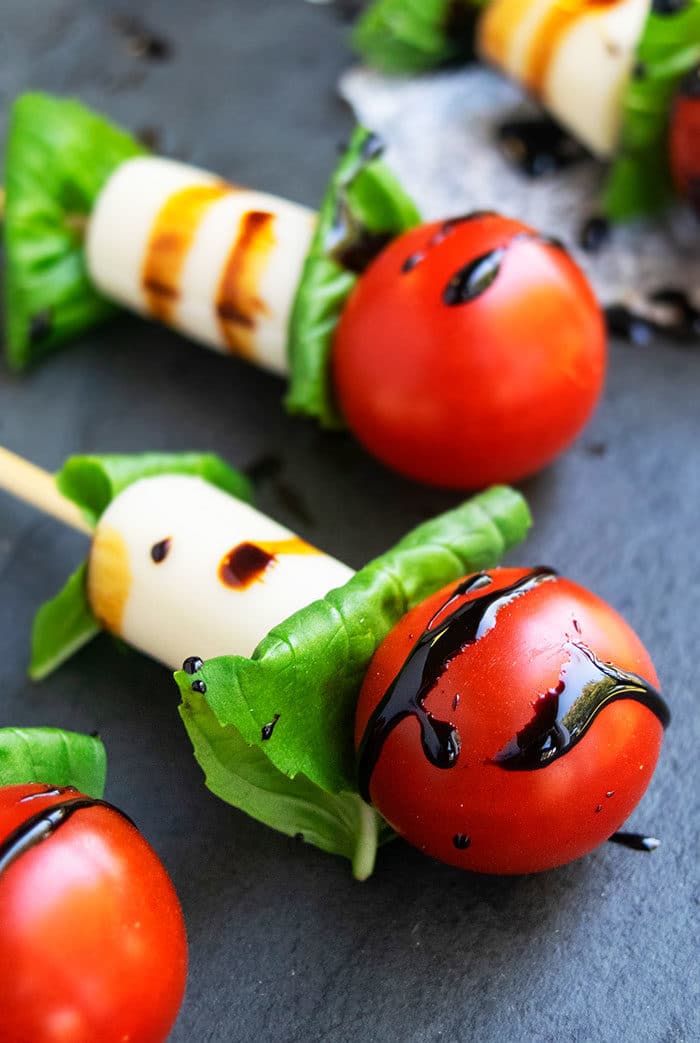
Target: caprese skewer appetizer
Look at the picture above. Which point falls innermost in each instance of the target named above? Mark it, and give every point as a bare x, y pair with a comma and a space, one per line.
460, 353
608, 72
406, 700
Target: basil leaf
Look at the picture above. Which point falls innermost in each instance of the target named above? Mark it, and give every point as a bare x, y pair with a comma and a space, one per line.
62, 626
52, 756
243, 776
302, 682
640, 179
413, 36
364, 207
94, 481
59, 156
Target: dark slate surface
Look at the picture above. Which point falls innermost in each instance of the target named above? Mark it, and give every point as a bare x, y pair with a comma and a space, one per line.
284, 946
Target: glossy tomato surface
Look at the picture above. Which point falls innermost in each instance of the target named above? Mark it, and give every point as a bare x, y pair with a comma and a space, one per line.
92, 946
498, 809
471, 351
684, 140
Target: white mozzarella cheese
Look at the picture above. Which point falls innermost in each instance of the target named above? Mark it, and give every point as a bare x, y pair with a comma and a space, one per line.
576, 57
122, 219
585, 84
158, 556
220, 263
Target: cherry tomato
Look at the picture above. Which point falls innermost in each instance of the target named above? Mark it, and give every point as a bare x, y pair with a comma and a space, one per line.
471, 351
684, 140
509, 723
92, 946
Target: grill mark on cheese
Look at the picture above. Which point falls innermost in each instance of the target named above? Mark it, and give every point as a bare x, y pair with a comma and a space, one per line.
109, 577
551, 29
169, 243
247, 562
238, 303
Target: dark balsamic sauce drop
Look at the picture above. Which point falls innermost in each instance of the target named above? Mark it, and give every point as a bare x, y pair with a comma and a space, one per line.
461, 841
563, 715
160, 550
479, 274
667, 311
192, 665
668, 7
44, 824
432, 653
594, 234
268, 729
243, 565
474, 278
142, 42
445, 230
538, 147
40, 326
635, 841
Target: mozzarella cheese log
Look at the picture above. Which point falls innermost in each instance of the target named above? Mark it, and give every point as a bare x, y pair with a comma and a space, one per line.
180, 568
219, 263
576, 56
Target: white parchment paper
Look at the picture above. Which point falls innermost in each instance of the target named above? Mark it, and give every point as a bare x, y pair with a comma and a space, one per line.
440, 134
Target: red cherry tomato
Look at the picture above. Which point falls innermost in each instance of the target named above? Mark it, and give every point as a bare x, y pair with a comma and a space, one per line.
92, 946
494, 734
471, 351
684, 140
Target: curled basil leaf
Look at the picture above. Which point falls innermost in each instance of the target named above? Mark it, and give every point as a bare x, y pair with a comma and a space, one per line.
59, 156
364, 208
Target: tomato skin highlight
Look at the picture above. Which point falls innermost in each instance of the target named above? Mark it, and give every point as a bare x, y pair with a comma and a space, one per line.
513, 821
468, 394
684, 141
93, 944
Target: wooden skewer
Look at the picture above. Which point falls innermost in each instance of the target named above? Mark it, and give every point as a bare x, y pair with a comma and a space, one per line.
31, 484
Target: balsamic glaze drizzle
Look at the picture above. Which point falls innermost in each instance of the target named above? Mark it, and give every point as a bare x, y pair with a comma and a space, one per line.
475, 277
563, 715
538, 147
445, 229
427, 661
160, 550
635, 841
192, 665
268, 729
244, 564
44, 824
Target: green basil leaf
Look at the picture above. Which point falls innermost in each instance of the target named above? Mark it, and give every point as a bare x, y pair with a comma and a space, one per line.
243, 776
413, 36
62, 626
52, 756
640, 179
92, 482
59, 156
295, 698
362, 210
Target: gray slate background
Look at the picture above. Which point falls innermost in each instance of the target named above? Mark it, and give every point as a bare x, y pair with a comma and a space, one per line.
284, 946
